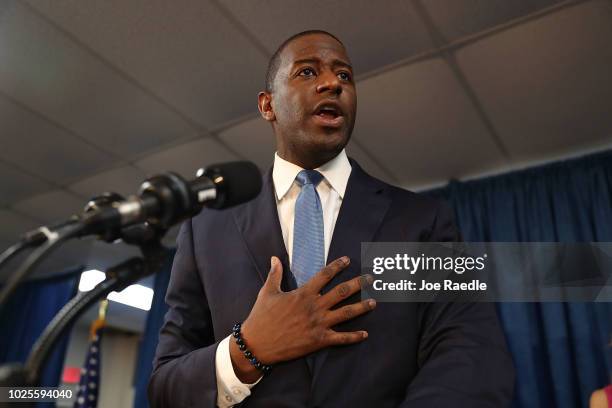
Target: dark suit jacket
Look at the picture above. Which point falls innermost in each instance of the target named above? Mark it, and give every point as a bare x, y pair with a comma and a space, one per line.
416, 355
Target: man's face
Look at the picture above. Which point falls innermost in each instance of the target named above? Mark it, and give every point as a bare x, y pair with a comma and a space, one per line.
313, 102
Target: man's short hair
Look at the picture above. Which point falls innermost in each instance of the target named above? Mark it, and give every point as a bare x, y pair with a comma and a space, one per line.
275, 60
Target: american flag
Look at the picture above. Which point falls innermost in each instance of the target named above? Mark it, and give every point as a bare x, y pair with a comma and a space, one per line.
87, 395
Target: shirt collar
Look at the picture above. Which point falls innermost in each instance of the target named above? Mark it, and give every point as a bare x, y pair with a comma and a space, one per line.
336, 172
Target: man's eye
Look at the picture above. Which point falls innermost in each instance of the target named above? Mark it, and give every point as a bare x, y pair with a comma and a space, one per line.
345, 76
307, 72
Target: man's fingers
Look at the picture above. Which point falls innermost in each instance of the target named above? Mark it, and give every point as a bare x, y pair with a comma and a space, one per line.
349, 312
344, 290
321, 278
334, 338
275, 276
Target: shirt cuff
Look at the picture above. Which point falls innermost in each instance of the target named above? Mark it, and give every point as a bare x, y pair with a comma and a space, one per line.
230, 390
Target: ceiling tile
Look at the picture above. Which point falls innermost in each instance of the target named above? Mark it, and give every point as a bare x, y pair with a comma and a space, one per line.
376, 33
69, 256
16, 185
104, 255
14, 225
63, 259
124, 180
458, 18
254, 140
48, 71
419, 121
185, 51
51, 207
32, 142
187, 158
4, 245
364, 158
546, 84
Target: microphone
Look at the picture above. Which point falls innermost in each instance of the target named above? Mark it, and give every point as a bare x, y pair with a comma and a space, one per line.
166, 199
163, 200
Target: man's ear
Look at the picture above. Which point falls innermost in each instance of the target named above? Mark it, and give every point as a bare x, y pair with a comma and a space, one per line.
264, 102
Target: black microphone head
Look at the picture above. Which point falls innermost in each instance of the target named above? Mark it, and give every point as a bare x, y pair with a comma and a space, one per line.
236, 183
103, 200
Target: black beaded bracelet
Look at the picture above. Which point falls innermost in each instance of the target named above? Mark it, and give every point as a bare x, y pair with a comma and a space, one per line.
265, 369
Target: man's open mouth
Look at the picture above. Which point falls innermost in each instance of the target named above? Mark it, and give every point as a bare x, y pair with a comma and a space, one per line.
329, 114
328, 111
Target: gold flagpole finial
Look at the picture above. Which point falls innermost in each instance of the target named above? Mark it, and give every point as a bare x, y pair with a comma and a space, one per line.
101, 320
102, 309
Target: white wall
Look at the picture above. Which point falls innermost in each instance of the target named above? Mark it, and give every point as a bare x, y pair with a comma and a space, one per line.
119, 352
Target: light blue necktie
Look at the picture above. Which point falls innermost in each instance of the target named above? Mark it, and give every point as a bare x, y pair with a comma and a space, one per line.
308, 240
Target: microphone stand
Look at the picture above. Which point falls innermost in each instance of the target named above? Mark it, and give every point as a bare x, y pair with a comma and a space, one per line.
164, 200
117, 278
33, 239
52, 242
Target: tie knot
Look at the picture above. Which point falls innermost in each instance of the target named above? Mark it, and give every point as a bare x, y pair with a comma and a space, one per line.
309, 177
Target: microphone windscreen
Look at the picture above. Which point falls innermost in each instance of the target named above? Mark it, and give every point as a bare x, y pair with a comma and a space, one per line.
241, 182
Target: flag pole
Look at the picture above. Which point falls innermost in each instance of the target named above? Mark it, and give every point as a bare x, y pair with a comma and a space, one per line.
101, 320
102, 309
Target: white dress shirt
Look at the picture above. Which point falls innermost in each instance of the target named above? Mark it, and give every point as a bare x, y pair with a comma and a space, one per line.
336, 172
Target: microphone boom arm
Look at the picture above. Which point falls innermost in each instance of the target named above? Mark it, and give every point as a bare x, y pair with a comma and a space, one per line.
117, 278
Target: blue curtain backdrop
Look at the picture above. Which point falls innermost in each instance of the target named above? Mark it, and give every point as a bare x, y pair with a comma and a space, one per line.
560, 349
155, 319
28, 312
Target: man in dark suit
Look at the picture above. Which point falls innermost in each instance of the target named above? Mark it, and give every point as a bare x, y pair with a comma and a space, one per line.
262, 264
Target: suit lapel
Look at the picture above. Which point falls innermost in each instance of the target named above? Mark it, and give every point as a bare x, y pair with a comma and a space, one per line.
363, 209
260, 227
